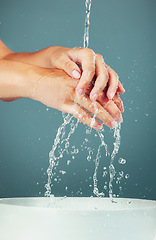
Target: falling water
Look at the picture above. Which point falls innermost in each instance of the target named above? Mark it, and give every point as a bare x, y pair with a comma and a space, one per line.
87, 23
60, 137
111, 166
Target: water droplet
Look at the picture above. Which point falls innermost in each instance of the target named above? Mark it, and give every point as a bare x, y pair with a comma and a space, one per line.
63, 172
68, 162
122, 161
105, 173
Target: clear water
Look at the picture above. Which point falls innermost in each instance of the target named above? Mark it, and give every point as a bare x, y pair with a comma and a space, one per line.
62, 143
87, 23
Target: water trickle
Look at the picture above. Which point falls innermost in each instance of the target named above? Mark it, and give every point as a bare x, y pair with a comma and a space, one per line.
87, 23
59, 139
112, 171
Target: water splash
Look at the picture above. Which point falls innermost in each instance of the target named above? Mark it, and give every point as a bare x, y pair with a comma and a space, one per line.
61, 139
97, 162
112, 171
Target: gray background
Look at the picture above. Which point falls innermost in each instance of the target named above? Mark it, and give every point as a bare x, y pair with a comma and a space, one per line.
124, 33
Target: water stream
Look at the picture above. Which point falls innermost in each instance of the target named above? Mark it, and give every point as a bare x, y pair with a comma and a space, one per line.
61, 140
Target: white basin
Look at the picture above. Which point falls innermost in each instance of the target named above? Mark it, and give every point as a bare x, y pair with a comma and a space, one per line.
77, 219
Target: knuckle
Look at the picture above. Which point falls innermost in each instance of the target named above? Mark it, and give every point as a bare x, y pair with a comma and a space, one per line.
67, 65
100, 57
89, 52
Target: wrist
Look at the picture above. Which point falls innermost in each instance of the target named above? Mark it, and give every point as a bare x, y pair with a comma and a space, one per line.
32, 80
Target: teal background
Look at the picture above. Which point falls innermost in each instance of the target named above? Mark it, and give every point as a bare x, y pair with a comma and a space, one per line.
124, 33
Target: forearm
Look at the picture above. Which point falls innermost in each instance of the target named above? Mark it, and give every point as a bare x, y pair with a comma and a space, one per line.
40, 58
16, 80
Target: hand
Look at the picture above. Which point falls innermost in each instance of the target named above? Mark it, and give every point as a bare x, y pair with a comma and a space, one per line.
84, 64
57, 90
79, 63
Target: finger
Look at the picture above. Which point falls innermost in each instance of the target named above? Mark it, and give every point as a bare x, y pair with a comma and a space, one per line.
113, 83
82, 115
95, 107
70, 67
86, 57
120, 88
117, 100
110, 107
102, 78
114, 111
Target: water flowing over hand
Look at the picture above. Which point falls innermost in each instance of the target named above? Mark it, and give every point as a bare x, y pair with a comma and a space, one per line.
58, 90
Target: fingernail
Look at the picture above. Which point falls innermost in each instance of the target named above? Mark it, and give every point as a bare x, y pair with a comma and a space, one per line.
79, 91
99, 126
76, 74
111, 94
122, 109
113, 124
120, 119
123, 89
94, 97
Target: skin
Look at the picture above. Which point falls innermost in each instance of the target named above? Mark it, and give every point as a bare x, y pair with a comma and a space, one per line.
37, 76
